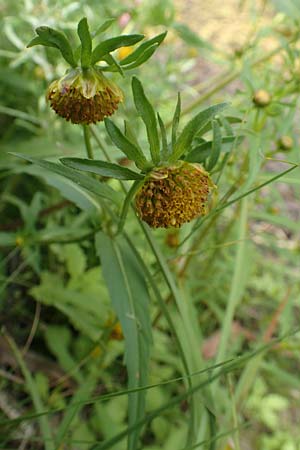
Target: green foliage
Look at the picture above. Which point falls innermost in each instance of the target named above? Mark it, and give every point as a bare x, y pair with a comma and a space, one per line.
116, 336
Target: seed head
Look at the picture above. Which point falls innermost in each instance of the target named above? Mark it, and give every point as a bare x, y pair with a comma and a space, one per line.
84, 96
174, 195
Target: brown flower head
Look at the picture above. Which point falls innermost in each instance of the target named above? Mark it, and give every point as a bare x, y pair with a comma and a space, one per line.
84, 96
174, 195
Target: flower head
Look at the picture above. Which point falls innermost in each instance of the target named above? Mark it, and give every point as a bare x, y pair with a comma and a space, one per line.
84, 96
174, 195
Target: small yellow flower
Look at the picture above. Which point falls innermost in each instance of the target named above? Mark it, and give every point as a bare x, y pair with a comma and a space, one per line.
125, 51
174, 195
84, 96
19, 241
262, 98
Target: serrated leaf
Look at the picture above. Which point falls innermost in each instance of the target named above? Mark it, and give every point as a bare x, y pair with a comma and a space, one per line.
91, 185
138, 53
130, 298
128, 148
86, 43
216, 145
103, 168
194, 126
147, 113
53, 38
175, 121
112, 44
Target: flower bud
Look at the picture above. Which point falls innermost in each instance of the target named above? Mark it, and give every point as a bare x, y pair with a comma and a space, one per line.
174, 195
285, 143
261, 98
84, 96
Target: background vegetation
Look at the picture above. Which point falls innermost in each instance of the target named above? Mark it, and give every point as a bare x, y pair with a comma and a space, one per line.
221, 294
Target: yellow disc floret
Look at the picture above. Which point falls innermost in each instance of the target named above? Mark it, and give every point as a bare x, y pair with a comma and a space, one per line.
174, 195
84, 96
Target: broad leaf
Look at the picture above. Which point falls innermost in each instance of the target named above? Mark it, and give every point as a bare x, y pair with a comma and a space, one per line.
53, 38
128, 148
130, 298
197, 123
103, 168
147, 113
112, 44
86, 43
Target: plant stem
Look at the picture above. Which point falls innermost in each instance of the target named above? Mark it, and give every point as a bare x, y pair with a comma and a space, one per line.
87, 141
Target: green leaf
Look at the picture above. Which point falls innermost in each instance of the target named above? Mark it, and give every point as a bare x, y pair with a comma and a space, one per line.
130, 134
164, 150
103, 168
105, 25
202, 151
216, 145
130, 298
147, 113
190, 37
86, 182
112, 44
127, 202
197, 123
53, 38
175, 121
86, 43
144, 57
114, 66
128, 148
145, 46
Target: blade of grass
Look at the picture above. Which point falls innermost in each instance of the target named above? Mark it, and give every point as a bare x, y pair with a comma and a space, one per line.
34, 393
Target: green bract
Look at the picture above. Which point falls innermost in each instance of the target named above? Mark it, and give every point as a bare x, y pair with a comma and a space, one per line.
90, 56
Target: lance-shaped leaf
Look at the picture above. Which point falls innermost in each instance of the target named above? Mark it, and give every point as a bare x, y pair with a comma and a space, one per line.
86, 182
113, 65
130, 298
145, 46
147, 113
103, 27
175, 121
112, 44
164, 142
201, 152
144, 57
128, 148
103, 168
86, 43
216, 145
52, 38
184, 141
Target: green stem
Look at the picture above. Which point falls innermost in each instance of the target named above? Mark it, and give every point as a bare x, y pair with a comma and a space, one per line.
87, 141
